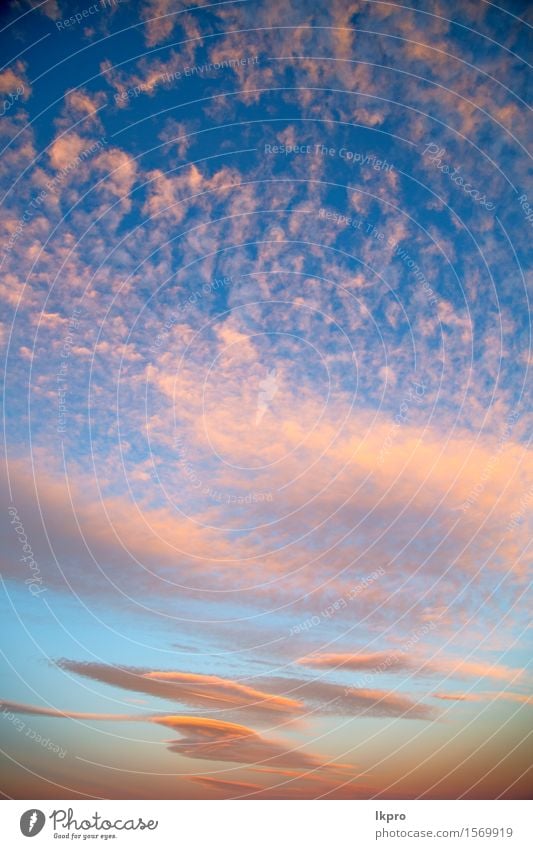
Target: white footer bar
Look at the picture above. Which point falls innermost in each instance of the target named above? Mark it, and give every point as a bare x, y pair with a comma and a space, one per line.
267, 824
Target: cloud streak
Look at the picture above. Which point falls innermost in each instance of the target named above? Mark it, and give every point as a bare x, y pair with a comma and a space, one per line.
209, 691
380, 662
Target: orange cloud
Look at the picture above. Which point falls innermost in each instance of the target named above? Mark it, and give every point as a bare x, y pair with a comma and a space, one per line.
65, 148
485, 697
378, 662
215, 740
223, 786
204, 738
120, 173
20, 707
15, 78
365, 660
160, 17
187, 688
226, 691
219, 693
388, 704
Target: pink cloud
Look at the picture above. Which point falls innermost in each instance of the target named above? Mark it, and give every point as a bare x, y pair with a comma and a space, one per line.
485, 697
380, 662
226, 741
209, 691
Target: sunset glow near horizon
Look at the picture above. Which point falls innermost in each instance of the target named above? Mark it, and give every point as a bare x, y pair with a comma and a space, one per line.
265, 318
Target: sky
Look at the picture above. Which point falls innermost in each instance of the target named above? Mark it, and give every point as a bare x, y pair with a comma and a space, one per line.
265, 329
